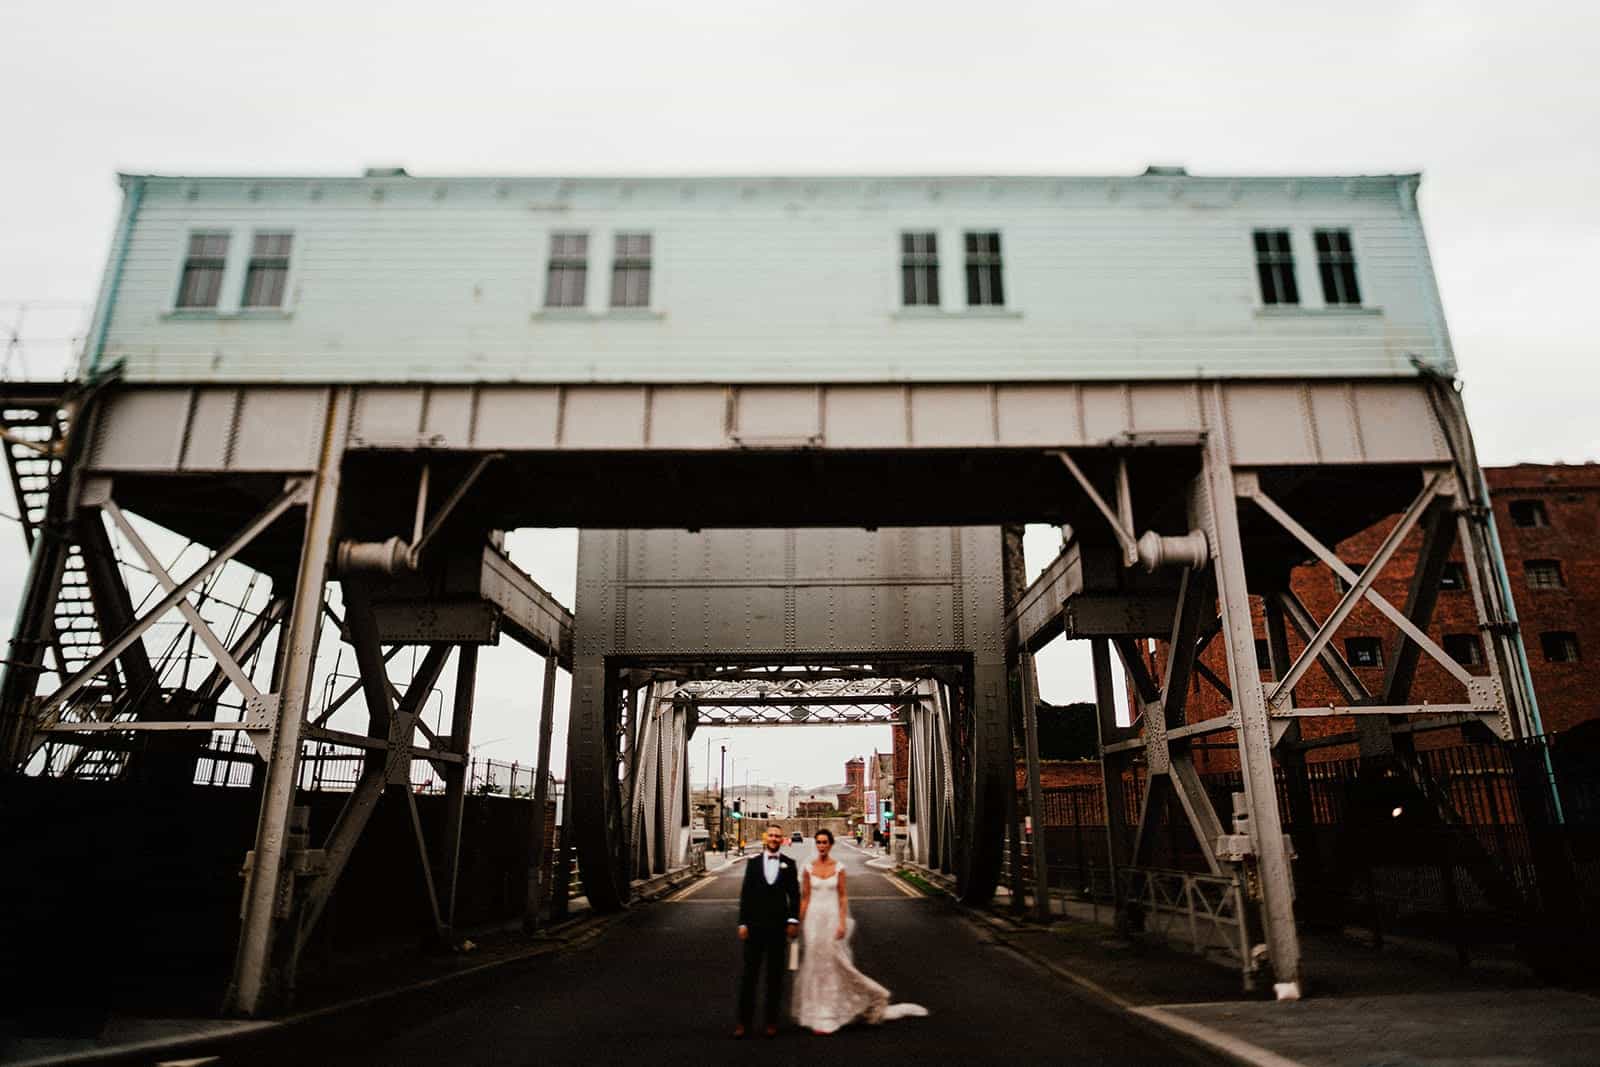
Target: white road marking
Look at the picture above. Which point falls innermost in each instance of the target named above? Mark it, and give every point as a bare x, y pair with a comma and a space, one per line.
1232, 1046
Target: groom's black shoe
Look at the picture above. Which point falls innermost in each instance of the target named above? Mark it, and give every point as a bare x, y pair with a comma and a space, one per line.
738, 1031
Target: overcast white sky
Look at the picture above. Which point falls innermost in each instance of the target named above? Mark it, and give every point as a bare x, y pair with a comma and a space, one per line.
1498, 104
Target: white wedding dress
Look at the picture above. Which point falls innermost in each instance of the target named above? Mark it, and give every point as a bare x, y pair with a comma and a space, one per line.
828, 990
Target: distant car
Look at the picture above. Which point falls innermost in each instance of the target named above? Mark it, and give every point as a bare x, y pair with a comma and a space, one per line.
797, 838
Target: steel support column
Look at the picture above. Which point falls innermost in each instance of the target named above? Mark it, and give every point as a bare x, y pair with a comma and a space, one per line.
1217, 512
539, 872
455, 780
264, 892
593, 749
990, 777
113, 606
1030, 733
1111, 766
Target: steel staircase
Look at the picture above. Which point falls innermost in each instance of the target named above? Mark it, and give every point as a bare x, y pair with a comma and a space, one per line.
33, 426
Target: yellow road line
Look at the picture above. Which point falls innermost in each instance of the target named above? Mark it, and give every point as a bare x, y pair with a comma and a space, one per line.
689, 891
900, 884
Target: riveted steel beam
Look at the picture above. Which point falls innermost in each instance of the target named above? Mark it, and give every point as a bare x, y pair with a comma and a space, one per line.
255, 971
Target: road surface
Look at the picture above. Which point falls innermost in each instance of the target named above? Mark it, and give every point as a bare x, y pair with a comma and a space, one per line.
659, 987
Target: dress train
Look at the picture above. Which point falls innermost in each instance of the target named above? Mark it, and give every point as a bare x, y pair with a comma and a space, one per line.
829, 992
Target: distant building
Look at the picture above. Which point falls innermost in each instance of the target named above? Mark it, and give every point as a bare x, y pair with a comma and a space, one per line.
853, 799
882, 784
902, 770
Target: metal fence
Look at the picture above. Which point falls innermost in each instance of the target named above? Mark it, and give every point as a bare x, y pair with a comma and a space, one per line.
1466, 843
333, 768
230, 760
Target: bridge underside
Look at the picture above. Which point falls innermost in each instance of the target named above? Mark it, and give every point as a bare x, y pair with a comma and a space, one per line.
396, 494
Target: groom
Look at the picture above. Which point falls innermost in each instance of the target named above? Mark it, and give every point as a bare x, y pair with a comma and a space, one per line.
769, 913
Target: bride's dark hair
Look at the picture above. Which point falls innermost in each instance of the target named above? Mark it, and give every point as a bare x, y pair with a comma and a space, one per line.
822, 831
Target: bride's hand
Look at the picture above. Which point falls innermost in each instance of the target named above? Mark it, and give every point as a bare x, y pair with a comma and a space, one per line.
838, 935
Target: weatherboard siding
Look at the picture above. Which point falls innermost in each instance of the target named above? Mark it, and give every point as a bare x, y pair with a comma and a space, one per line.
758, 280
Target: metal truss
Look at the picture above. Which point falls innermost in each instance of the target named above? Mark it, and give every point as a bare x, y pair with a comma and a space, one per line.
931, 796
118, 710
783, 699
1207, 576
794, 627
1211, 490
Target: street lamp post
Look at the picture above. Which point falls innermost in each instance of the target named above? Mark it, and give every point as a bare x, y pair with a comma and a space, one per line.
708, 758
722, 782
734, 770
747, 771
710, 739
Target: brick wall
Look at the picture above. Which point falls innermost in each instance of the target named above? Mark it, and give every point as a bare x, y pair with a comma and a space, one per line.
1057, 774
1570, 498
1543, 513
902, 769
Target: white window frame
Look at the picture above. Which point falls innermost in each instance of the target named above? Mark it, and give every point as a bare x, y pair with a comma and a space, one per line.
230, 299
589, 256
648, 308
227, 299
1355, 266
291, 278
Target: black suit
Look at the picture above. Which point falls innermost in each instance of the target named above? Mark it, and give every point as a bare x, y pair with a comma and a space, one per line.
767, 910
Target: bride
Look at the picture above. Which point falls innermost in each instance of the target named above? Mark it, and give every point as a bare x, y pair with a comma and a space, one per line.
829, 992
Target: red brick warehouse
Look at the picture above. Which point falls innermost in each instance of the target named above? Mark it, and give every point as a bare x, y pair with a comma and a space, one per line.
1548, 518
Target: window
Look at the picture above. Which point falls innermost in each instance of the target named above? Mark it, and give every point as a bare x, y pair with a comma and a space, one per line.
268, 270
1454, 576
567, 277
201, 283
1464, 649
1560, 646
984, 287
1543, 574
1336, 262
1528, 513
1275, 267
919, 270
630, 271
1339, 583
1363, 651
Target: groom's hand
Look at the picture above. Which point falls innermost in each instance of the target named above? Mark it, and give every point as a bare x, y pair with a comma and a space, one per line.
744, 933
794, 931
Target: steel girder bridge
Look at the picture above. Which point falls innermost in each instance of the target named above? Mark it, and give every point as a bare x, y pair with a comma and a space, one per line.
871, 538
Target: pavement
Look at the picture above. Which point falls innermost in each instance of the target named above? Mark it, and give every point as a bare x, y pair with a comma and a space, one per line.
657, 983
1406, 1006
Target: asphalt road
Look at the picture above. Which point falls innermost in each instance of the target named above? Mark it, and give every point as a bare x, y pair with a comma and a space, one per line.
659, 987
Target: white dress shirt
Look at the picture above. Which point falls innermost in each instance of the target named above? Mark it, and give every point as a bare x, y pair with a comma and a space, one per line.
771, 867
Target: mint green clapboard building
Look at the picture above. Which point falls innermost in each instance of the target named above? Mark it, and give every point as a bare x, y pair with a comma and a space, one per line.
396, 278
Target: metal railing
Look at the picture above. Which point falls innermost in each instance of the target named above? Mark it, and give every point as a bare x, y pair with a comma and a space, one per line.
1204, 910
333, 768
228, 761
